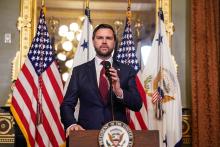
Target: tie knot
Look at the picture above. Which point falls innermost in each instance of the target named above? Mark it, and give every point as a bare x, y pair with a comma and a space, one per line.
103, 62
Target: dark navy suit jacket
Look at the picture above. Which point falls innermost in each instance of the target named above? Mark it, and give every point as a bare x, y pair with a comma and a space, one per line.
93, 114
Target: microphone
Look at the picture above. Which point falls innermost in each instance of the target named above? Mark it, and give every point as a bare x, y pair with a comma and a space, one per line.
107, 66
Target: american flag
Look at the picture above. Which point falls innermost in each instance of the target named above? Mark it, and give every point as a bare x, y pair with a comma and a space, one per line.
37, 93
157, 95
127, 54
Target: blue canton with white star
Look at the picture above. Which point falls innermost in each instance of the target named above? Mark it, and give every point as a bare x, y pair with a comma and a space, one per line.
126, 53
41, 53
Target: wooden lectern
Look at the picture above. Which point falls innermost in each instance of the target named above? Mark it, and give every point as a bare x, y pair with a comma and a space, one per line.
89, 138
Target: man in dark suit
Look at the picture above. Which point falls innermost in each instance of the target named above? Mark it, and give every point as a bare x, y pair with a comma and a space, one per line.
86, 84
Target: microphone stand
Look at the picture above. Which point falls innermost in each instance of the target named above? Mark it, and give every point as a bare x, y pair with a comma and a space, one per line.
111, 99
107, 65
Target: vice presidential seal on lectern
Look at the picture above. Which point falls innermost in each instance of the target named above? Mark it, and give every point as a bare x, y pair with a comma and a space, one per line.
115, 134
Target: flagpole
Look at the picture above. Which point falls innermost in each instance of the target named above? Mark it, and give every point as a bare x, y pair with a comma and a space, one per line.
158, 103
87, 13
40, 80
159, 112
128, 14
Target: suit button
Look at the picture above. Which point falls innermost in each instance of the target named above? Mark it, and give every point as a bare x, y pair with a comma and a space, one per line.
103, 123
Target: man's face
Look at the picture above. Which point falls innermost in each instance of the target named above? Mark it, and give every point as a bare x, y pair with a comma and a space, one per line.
104, 42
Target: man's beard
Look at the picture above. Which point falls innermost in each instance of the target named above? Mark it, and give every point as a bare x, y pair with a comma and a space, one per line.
106, 54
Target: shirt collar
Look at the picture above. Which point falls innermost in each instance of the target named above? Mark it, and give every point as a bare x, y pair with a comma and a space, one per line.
98, 60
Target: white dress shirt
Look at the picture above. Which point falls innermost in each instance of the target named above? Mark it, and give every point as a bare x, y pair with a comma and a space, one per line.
98, 66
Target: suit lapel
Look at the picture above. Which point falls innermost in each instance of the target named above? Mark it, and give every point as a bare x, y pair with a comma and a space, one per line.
91, 71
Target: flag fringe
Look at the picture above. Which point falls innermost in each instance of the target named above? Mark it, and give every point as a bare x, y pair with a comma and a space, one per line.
20, 124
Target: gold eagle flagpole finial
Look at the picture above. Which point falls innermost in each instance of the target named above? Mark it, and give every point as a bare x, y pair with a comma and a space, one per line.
129, 11
129, 3
160, 3
87, 3
43, 6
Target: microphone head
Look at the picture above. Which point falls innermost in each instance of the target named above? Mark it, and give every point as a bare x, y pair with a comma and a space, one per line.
107, 66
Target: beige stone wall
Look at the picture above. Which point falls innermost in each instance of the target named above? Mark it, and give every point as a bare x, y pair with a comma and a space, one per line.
9, 12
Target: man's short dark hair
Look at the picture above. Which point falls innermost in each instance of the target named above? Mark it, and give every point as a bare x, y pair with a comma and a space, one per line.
104, 26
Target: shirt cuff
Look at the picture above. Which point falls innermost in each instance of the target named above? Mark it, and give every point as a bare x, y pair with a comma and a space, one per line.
120, 96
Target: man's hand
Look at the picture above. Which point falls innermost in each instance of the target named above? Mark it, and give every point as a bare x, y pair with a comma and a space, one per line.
116, 87
73, 127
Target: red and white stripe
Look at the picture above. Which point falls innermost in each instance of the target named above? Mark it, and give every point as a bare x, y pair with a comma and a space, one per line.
24, 106
139, 120
155, 96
